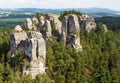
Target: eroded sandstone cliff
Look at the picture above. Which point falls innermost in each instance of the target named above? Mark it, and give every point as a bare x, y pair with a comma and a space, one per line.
32, 37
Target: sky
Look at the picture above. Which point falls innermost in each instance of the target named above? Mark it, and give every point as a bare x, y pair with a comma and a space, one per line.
55, 4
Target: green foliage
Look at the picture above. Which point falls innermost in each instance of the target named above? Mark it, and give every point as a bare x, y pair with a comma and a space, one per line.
8, 74
97, 63
113, 23
45, 30
42, 78
39, 14
27, 79
1, 73
53, 26
16, 61
10, 22
63, 14
78, 33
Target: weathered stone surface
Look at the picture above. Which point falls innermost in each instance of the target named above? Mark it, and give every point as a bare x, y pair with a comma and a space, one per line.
33, 46
35, 23
33, 43
71, 32
105, 28
76, 43
35, 20
45, 28
36, 50
15, 41
54, 18
87, 23
41, 22
64, 29
18, 28
48, 29
29, 24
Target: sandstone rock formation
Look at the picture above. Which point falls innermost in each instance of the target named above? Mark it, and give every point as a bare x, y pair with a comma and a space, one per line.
53, 18
32, 42
29, 24
18, 28
105, 28
35, 23
45, 28
87, 23
71, 31
33, 46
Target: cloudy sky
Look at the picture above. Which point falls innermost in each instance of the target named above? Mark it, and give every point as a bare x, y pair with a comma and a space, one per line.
111, 4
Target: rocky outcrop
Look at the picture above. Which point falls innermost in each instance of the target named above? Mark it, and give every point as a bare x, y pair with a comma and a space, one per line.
87, 23
71, 26
33, 36
29, 24
105, 28
15, 40
33, 46
71, 32
18, 28
35, 23
53, 18
45, 28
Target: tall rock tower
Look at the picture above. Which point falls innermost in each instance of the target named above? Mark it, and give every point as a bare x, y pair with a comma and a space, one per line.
33, 48
31, 38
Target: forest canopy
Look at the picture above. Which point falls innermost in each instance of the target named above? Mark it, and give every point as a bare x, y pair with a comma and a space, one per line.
97, 63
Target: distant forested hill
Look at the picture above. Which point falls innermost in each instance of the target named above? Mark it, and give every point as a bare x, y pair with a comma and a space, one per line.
113, 23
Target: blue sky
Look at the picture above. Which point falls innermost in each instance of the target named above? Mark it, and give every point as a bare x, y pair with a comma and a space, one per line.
111, 4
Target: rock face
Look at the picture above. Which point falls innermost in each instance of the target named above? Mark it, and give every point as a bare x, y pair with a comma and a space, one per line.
15, 40
53, 18
87, 23
31, 24
105, 28
18, 28
33, 46
35, 23
71, 32
45, 28
31, 38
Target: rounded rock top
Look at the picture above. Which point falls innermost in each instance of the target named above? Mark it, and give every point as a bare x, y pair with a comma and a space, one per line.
18, 28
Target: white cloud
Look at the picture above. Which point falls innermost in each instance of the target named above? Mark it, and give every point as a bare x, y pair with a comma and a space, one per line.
19, 1
59, 3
